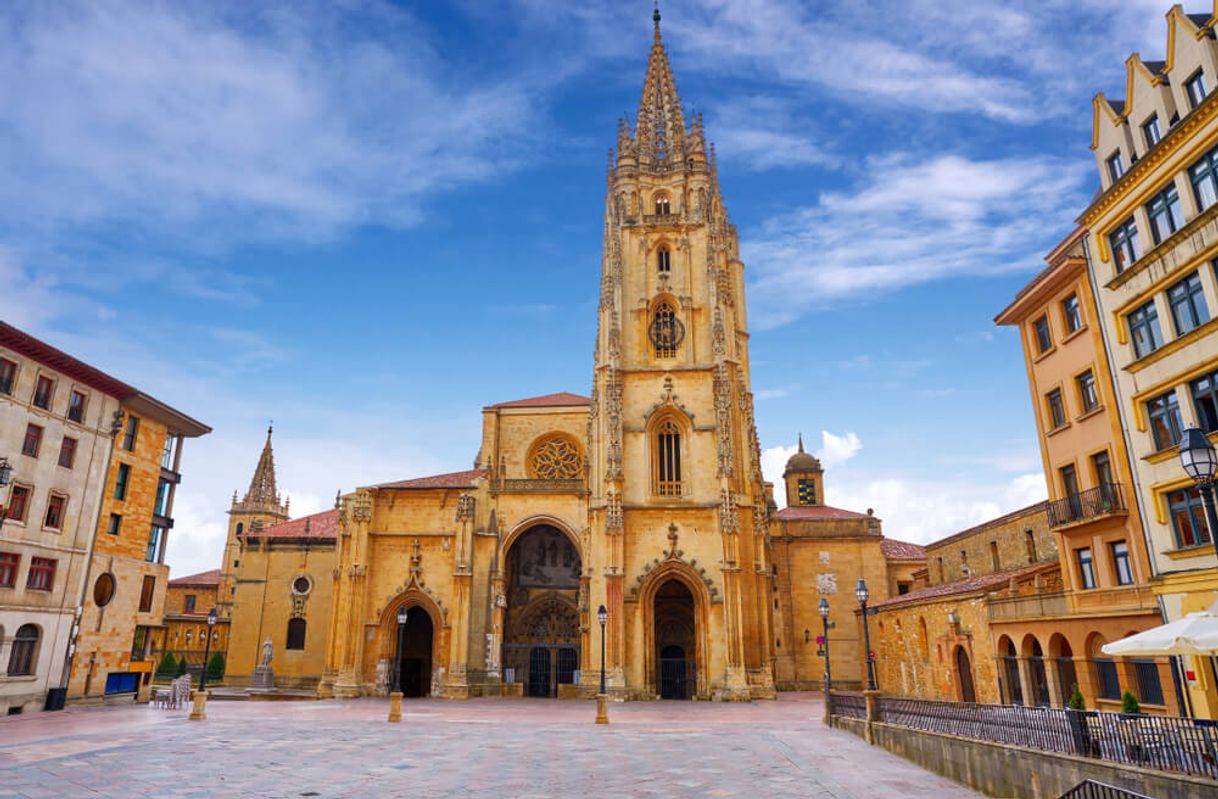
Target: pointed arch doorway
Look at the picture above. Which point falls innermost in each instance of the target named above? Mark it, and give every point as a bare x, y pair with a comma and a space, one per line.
415, 650
541, 646
675, 642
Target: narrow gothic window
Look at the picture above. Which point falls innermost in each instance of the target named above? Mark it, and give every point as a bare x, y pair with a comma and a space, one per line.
663, 262
296, 634
668, 460
666, 331
663, 206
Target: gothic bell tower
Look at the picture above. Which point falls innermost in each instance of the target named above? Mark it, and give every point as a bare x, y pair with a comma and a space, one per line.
260, 507
678, 506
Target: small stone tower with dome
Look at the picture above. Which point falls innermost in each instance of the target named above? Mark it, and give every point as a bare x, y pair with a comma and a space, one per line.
804, 479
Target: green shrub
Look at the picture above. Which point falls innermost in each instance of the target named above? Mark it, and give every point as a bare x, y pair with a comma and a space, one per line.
1129, 703
182, 666
215, 667
1076, 699
168, 666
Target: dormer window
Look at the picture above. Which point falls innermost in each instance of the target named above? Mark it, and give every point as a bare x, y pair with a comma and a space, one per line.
1195, 88
1151, 131
663, 205
663, 261
1116, 166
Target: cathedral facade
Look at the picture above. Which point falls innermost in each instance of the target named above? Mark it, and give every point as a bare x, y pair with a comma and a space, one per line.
645, 497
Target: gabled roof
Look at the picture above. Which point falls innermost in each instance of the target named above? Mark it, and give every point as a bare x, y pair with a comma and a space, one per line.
207, 579
318, 527
902, 550
467, 479
968, 585
817, 512
559, 400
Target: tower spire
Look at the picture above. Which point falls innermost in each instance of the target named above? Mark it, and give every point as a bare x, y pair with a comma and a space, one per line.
263, 490
660, 126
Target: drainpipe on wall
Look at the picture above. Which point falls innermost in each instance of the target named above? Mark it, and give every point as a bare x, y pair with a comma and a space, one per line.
116, 424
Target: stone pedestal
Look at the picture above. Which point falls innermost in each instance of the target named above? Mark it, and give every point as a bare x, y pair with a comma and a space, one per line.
395, 706
264, 679
602, 709
198, 711
872, 698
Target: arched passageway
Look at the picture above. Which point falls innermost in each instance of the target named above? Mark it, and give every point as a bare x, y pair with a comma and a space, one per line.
541, 622
414, 646
964, 675
675, 643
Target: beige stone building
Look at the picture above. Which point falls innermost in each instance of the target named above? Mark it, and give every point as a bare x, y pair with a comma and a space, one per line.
645, 497
188, 600
70, 578
1153, 241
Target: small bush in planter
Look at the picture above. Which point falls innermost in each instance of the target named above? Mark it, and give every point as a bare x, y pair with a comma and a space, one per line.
1129, 704
1076, 700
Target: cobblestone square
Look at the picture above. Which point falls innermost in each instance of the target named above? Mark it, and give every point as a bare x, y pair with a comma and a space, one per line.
479, 748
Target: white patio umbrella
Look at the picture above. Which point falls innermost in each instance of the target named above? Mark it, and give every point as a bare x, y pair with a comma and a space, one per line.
1195, 634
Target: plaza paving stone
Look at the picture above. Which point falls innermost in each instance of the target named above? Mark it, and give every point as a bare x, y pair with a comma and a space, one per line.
479, 748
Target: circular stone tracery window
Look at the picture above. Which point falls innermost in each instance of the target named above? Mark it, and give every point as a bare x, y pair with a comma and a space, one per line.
555, 458
103, 590
302, 585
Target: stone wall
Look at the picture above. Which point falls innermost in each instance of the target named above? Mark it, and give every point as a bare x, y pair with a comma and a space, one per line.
1013, 771
971, 552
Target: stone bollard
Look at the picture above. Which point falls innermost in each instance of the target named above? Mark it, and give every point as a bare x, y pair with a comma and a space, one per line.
873, 713
198, 711
828, 717
395, 706
602, 709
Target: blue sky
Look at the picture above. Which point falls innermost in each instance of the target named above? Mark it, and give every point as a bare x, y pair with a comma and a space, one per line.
366, 220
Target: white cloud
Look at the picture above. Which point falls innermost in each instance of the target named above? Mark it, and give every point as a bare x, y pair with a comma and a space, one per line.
909, 222
295, 119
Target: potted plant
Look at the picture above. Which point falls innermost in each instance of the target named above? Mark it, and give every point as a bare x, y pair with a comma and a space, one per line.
1130, 732
1080, 728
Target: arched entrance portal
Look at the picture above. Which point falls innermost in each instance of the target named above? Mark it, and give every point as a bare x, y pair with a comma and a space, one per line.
964, 672
541, 622
674, 640
414, 646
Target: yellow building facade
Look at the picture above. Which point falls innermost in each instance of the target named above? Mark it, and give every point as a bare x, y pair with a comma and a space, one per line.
1152, 242
188, 600
645, 497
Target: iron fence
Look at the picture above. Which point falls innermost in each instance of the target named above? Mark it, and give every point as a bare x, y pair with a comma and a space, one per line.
851, 706
1090, 789
1099, 501
1163, 742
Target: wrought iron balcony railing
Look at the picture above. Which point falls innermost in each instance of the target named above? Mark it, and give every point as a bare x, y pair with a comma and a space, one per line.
1102, 500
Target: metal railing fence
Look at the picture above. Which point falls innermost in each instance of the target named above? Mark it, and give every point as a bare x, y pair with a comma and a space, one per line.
1090, 789
1169, 743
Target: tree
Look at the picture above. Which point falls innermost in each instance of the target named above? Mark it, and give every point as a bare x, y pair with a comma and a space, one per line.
1129, 703
215, 667
182, 666
168, 665
1076, 699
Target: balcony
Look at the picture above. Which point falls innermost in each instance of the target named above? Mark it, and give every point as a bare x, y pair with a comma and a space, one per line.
1104, 500
1034, 606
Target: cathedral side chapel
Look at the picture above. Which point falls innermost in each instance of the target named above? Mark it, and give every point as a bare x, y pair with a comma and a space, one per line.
646, 497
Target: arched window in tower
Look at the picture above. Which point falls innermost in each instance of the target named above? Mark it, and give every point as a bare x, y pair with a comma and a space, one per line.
667, 468
666, 331
663, 205
663, 260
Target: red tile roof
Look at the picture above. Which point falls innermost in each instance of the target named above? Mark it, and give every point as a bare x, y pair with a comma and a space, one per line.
902, 550
208, 578
318, 527
817, 512
451, 480
561, 399
981, 582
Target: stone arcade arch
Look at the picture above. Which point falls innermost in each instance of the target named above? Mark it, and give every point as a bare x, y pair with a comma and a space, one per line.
542, 637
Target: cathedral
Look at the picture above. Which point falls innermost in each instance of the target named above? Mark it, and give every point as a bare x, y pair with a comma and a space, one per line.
645, 497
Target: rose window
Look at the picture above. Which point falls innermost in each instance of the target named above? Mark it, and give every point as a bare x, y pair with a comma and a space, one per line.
555, 458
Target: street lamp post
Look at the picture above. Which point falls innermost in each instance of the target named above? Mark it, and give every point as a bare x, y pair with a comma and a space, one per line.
860, 590
395, 684
211, 625
824, 618
1200, 462
198, 711
602, 700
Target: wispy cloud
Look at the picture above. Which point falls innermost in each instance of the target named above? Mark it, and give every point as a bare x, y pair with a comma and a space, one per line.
909, 222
